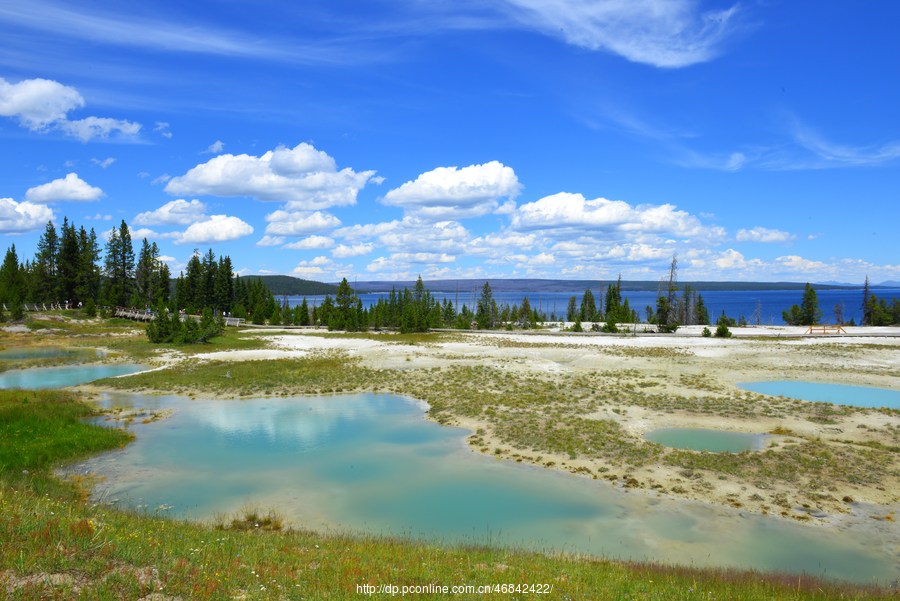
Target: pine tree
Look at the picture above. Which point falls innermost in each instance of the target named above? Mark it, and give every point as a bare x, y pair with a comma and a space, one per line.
224, 285
572, 313
44, 266
448, 313
162, 291
486, 312
67, 261
810, 313
181, 292
342, 318
526, 315
588, 310
424, 307
119, 266
193, 281
615, 309
146, 275
702, 312
12, 281
208, 281
87, 287
304, 313
666, 304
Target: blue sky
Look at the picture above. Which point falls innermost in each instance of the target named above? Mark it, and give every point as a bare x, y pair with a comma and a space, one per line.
516, 138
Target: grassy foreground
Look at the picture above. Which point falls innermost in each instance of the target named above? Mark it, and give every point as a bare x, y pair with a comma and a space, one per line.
56, 545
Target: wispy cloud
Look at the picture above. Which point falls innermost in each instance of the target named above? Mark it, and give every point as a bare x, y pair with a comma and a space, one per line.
839, 155
804, 149
166, 35
763, 234
661, 33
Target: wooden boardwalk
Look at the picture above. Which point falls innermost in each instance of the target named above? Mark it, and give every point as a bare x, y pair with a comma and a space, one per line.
33, 307
826, 329
146, 316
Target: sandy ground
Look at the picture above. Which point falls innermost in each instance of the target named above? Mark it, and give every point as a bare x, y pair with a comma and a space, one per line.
869, 356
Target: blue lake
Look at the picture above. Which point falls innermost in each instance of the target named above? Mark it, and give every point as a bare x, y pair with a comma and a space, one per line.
60, 377
713, 441
372, 463
733, 302
839, 394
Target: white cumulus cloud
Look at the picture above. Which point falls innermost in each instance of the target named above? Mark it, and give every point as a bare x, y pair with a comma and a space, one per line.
20, 217
69, 188
797, 263
416, 235
216, 228
365, 231
730, 259
216, 147
565, 212
311, 243
299, 223
453, 193
38, 103
142, 232
422, 257
304, 178
99, 127
491, 242
542, 259
43, 105
176, 212
762, 234
319, 267
270, 241
342, 251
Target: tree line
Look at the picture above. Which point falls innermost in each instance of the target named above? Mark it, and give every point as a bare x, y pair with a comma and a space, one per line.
70, 269
417, 310
875, 311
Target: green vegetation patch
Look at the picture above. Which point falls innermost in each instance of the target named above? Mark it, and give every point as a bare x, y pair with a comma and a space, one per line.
41, 428
810, 464
329, 372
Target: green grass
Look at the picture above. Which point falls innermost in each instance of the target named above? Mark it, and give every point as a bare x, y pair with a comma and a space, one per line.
317, 374
40, 428
810, 464
110, 554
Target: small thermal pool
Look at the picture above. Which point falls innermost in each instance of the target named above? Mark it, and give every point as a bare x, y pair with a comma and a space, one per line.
839, 394
68, 375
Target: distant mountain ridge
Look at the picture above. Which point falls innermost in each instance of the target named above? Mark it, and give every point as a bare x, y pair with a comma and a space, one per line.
286, 285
